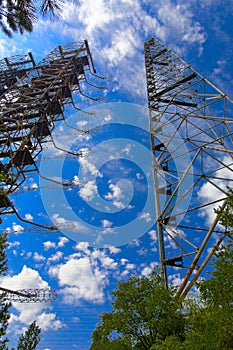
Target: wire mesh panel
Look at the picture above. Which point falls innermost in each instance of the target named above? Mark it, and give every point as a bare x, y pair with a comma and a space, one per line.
39, 295
13, 68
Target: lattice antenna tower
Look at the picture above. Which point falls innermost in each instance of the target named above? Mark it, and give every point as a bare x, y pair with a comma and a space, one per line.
33, 98
191, 140
39, 295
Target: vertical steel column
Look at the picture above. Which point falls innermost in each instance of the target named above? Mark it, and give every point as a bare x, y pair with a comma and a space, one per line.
151, 88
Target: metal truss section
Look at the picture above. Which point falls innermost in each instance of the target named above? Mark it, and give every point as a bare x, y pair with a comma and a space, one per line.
44, 295
191, 141
13, 68
31, 105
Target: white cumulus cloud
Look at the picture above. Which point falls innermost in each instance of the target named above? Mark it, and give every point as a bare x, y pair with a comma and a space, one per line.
88, 190
81, 280
49, 245
146, 217
28, 312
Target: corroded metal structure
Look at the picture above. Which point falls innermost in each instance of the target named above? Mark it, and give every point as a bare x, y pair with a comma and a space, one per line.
39, 295
14, 68
191, 129
33, 98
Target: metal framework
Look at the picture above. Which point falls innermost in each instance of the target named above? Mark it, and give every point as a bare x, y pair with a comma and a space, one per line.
13, 68
191, 141
33, 98
40, 295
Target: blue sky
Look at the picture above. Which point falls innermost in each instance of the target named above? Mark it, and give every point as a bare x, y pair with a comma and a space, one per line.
106, 219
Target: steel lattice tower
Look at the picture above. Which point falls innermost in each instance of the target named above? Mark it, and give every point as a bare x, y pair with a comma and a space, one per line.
33, 98
191, 140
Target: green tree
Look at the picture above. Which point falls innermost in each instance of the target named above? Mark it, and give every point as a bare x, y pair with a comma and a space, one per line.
211, 317
21, 15
28, 340
147, 316
226, 214
144, 312
4, 306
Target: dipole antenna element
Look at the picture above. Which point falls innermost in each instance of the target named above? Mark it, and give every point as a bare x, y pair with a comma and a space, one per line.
40, 295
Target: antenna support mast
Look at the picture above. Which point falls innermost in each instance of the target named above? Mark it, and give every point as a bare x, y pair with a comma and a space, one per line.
191, 130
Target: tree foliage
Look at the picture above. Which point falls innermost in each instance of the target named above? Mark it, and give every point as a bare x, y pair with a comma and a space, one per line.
3, 257
211, 319
226, 214
147, 316
144, 312
21, 15
30, 339
4, 306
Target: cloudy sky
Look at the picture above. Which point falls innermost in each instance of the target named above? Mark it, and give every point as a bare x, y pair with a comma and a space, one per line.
96, 247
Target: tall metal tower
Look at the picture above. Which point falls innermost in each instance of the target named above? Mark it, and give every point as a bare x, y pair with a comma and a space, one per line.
191, 128
33, 98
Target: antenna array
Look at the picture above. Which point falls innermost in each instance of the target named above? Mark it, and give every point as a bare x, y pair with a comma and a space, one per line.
40, 295
33, 98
